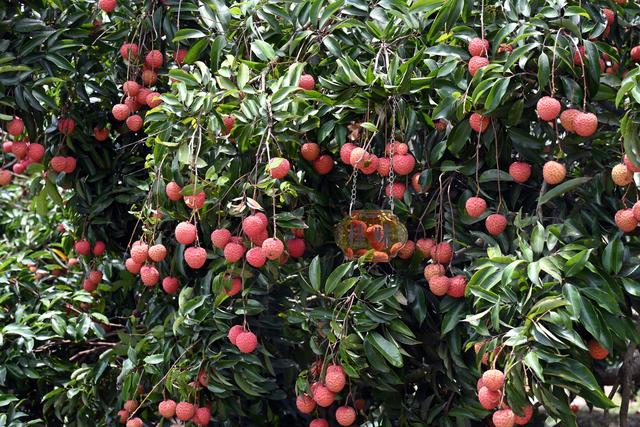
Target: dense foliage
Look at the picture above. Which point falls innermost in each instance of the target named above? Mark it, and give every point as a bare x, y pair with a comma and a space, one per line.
234, 109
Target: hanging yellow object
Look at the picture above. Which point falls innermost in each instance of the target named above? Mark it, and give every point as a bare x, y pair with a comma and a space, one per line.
376, 234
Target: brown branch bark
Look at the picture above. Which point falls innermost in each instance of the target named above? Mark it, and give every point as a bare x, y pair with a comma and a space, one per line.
627, 383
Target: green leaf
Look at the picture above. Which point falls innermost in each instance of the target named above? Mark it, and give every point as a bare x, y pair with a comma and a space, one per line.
560, 189
263, 50
336, 276
543, 70
315, 273
612, 256
386, 348
188, 33
154, 359
498, 90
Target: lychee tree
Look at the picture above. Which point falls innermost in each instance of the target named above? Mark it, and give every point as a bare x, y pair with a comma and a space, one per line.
318, 213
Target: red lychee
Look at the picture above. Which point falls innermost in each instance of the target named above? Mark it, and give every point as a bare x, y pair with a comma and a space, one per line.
548, 108
58, 163
107, 6
553, 172
415, 183
478, 47
82, 247
101, 134
173, 191
503, 418
310, 151
629, 164
202, 417
457, 286
403, 164
636, 211
167, 408
345, 152
154, 59
132, 266
220, 237
66, 125
319, 422
621, 175
153, 99
123, 415
35, 152
246, 342
442, 253
133, 422
425, 246
488, 399
520, 171
522, 420
295, 247
185, 411
476, 63
395, 190
236, 285
433, 270
323, 164
567, 118
306, 82
195, 201
233, 252
493, 379
439, 285
149, 275
5, 177
585, 124
120, 111
157, 253
134, 123
69, 164
495, 224
478, 122
179, 56
357, 157
406, 251
170, 285
323, 396
149, 77
475, 206
130, 405
335, 379
597, 351
305, 404
130, 88
233, 333
15, 126
278, 167
129, 51
195, 257
345, 415
252, 226
185, 233
272, 248
139, 251
255, 257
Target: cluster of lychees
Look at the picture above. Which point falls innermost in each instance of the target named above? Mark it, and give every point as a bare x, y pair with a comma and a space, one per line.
491, 396
626, 219
323, 394
141, 262
170, 410
25, 152
83, 248
440, 254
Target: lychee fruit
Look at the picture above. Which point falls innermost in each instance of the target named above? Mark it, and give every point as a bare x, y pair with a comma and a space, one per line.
246, 342
255, 257
185, 233
130, 406
425, 246
95, 276
345, 415
179, 56
139, 251
157, 253
495, 224
5, 177
415, 183
629, 164
295, 247
319, 422
357, 157
154, 59
15, 126
457, 286
134, 422
335, 379
272, 248
120, 111
279, 167
433, 270
132, 266
101, 134
129, 51
153, 99
621, 175
636, 210
477, 62
82, 247
134, 123
370, 164
439, 285
236, 286
69, 164
522, 420
635, 53
567, 118
173, 191
202, 417
149, 275
149, 77
220, 237
407, 250
323, 396
19, 149
66, 125
548, 108
395, 190
233, 252
553, 172
107, 6
478, 47
345, 152
597, 351
310, 151
442, 253
306, 82
167, 408
170, 285
503, 418
195, 257
403, 164
479, 123
58, 163
123, 415
35, 152
195, 201
252, 226
233, 333
323, 164
585, 124
305, 404
489, 399
493, 379
89, 285
520, 171
185, 411
475, 206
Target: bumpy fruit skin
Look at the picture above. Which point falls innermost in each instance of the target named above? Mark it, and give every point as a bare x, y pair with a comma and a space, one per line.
475, 206
406, 252
272, 248
626, 220
19, 149
323, 396
82, 247
120, 111
135, 422
488, 399
5, 177
520, 171
139, 252
157, 253
132, 266
295, 247
477, 62
493, 379
66, 125
522, 420
167, 408
195, 201
130, 405
69, 164
478, 47
457, 286
553, 172
597, 351
585, 124
433, 270
233, 252
357, 157
345, 415
307, 82
395, 190
636, 211
58, 163
185, 233
319, 422
323, 164
635, 52
185, 411
335, 378
252, 226
195, 257
310, 151
305, 404
425, 246
548, 108
496, 224
153, 99
154, 59
503, 418
123, 415
345, 152
233, 333
246, 342
101, 134
220, 237
129, 51
403, 164
170, 285
370, 164
255, 257
89, 286
621, 175
107, 5
202, 417
149, 77
149, 275
95, 276
173, 191
567, 118
478, 122
15, 126
439, 285
134, 123
130, 88
279, 167
442, 253
35, 152
384, 166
